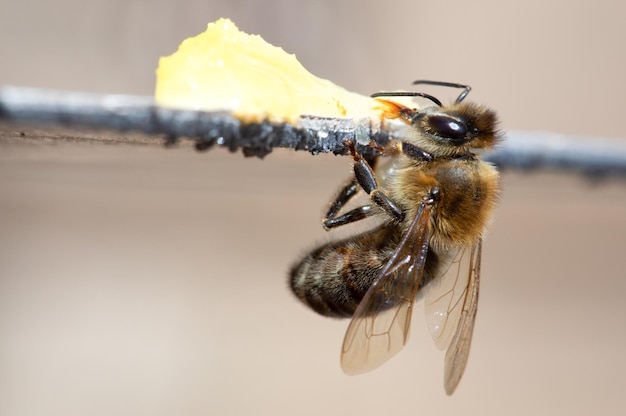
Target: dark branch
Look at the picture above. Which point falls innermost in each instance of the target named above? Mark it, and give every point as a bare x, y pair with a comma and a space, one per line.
123, 113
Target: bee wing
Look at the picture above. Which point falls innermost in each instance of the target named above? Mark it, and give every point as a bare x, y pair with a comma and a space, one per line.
380, 324
458, 351
445, 296
451, 305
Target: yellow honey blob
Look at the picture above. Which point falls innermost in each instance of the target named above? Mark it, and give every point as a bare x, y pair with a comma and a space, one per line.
226, 69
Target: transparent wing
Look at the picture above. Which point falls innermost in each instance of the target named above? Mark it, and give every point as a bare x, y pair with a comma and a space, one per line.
451, 310
445, 295
458, 351
380, 324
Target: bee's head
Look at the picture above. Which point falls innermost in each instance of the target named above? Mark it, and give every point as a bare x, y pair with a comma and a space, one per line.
454, 130
445, 131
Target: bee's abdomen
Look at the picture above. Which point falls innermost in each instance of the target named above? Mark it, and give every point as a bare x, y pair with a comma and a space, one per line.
333, 279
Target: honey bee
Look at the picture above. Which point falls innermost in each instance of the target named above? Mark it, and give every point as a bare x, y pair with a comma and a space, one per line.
436, 198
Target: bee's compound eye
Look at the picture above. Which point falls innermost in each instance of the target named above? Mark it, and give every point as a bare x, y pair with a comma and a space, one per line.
449, 128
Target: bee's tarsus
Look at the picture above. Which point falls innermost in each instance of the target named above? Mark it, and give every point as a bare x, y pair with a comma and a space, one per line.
356, 214
344, 195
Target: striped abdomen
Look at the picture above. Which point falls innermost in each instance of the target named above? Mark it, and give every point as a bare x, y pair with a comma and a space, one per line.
334, 278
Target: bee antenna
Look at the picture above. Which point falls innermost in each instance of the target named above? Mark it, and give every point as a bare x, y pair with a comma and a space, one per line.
461, 97
407, 94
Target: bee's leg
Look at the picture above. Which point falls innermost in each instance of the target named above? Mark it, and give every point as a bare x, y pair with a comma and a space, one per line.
356, 214
367, 179
345, 194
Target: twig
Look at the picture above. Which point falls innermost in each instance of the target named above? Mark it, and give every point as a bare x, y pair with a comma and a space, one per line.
521, 150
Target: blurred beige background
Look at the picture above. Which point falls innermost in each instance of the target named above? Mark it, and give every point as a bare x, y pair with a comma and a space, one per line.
141, 280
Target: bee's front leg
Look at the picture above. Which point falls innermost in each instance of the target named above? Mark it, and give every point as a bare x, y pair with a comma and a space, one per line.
331, 220
367, 179
363, 176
